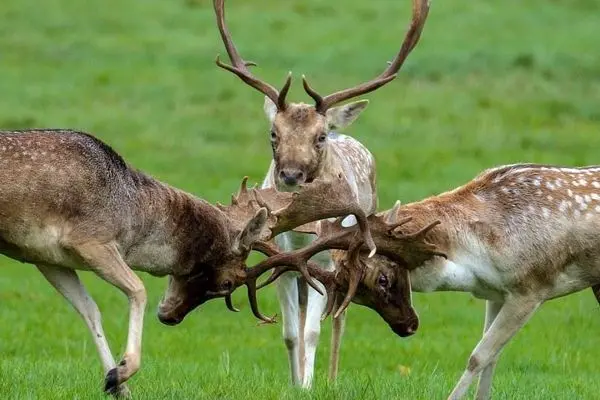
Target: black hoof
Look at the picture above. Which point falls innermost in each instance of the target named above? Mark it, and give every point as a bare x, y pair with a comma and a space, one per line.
111, 382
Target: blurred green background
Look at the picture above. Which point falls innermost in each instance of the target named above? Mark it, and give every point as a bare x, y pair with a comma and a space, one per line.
490, 83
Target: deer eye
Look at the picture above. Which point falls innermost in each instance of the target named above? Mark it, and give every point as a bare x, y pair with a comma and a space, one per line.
227, 285
273, 136
322, 138
382, 281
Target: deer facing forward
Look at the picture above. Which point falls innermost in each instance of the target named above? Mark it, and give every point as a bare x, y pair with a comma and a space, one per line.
305, 148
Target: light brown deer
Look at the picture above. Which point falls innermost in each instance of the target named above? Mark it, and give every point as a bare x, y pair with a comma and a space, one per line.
515, 236
306, 147
68, 202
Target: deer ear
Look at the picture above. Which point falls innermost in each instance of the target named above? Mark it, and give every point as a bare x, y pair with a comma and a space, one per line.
270, 109
251, 232
342, 116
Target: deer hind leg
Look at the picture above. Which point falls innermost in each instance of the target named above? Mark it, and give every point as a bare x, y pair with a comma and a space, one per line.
336, 341
67, 283
486, 376
106, 262
287, 292
515, 312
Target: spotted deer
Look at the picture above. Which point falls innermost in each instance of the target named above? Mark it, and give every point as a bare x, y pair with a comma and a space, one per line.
69, 202
306, 146
515, 236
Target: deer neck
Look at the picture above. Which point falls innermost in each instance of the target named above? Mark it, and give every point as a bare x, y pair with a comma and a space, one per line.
171, 228
464, 235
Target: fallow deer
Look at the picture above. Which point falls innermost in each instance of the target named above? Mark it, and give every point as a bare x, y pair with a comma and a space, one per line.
515, 236
306, 146
69, 202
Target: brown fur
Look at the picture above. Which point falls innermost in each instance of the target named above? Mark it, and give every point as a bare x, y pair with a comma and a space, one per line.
534, 221
69, 202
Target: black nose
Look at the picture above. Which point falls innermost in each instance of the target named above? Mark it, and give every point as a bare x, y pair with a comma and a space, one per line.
291, 177
168, 320
406, 328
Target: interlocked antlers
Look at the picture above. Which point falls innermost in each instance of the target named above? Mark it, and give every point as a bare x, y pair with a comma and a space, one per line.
322, 104
405, 248
286, 211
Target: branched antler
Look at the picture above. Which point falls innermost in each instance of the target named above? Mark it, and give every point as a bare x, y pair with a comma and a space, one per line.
408, 249
419, 15
240, 67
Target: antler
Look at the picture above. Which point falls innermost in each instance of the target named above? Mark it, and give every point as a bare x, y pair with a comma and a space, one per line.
240, 67
299, 210
419, 15
298, 260
408, 249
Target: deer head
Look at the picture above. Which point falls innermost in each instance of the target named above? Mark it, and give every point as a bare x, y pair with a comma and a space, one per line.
299, 132
254, 217
382, 282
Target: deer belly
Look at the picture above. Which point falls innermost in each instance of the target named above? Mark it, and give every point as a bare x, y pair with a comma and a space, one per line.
39, 245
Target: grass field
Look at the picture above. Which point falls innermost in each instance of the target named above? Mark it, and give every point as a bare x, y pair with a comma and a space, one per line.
490, 83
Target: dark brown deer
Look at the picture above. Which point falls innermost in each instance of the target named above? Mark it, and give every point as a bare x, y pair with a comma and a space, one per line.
306, 147
515, 236
68, 202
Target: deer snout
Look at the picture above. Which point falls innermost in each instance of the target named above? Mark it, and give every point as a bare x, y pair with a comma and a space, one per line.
292, 176
406, 328
168, 319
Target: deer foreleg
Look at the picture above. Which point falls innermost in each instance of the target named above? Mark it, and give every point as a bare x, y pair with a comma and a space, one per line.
287, 292
486, 376
67, 283
312, 330
515, 312
106, 262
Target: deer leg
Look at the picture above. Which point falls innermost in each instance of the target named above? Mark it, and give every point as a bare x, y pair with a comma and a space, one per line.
67, 283
312, 330
485, 378
515, 312
287, 292
302, 304
106, 262
336, 341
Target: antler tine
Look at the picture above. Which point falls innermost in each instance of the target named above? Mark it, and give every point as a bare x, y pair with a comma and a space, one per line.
396, 225
331, 298
251, 285
423, 231
356, 272
259, 199
229, 304
419, 15
240, 67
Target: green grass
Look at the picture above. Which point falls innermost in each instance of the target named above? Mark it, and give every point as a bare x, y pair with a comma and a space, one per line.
490, 83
